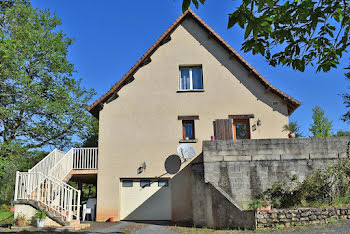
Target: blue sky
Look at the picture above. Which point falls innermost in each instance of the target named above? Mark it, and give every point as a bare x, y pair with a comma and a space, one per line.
112, 35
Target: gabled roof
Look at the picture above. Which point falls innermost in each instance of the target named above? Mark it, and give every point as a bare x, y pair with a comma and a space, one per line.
98, 104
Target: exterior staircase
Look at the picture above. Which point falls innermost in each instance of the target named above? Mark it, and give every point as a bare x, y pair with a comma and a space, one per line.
45, 186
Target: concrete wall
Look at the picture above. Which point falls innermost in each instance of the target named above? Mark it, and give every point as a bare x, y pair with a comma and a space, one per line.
142, 124
28, 212
213, 207
245, 168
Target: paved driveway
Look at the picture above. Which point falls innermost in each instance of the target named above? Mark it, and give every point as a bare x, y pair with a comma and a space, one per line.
134, 228
162, 228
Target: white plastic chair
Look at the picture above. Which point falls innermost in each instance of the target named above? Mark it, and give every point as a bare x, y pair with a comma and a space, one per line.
89, 208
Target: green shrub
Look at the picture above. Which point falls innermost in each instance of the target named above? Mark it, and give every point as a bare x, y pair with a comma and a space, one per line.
326, 186
254, 205
40, 215
4, 207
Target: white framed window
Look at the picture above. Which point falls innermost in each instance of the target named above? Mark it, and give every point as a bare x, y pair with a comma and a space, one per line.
163, 183
191, 78
127, 183
145, 183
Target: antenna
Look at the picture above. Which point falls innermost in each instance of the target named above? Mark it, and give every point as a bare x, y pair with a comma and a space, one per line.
172, 164
186, 151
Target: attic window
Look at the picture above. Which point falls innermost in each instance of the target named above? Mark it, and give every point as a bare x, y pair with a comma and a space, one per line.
191, 78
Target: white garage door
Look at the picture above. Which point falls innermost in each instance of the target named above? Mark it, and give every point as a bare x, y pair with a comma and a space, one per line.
145, 199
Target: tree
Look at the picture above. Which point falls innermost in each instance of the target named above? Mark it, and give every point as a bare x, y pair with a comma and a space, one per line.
41, 104
342, 133
90, 137
293, 127
321, 127
18, 159
293, 33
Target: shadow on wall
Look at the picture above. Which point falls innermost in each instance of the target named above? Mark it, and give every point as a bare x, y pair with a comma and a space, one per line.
154, 206
178, 195
213, 207
232, 65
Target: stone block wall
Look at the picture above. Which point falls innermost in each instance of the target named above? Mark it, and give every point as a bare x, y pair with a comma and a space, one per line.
245, 168
301, 216
213, 207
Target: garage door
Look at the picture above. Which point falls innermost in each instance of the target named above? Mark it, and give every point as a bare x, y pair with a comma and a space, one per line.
145, 199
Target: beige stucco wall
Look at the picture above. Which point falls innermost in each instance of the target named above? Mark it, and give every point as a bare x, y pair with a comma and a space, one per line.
142, 124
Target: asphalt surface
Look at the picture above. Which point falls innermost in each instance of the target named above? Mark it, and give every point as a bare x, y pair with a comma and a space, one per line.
342, 227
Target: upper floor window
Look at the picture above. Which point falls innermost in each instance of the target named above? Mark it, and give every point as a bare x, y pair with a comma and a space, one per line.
191, 78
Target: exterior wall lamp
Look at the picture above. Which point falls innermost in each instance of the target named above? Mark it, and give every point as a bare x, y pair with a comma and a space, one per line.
258, 122
141, 168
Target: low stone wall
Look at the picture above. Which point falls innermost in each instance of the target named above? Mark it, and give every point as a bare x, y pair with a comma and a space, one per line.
301, 216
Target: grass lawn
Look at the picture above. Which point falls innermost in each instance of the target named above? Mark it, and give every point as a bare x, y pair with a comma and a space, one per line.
6, 217
5, 214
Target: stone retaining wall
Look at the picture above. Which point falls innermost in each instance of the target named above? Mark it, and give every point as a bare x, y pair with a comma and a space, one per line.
245, 168
301, 216
235, 172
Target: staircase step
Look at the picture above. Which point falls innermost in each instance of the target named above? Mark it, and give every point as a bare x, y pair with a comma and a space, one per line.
74, 223
57, 217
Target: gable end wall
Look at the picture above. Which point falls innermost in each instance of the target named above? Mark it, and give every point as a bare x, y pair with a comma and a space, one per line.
142, 124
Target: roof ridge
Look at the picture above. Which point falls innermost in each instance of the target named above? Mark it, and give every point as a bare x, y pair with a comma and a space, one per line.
93, 107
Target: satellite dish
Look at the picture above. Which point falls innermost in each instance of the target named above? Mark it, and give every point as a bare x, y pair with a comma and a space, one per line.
186, 151
172, 164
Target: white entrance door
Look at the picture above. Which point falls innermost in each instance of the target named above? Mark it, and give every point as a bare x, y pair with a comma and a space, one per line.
145, 199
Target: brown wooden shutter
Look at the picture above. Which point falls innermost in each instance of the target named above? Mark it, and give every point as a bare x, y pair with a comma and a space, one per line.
223, 129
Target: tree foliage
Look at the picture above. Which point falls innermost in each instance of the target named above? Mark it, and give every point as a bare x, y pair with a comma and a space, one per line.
341, 133
321, 126
17, 159
41, 104
91, 135
293, 33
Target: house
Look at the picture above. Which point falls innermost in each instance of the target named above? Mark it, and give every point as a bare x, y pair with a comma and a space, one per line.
187, 80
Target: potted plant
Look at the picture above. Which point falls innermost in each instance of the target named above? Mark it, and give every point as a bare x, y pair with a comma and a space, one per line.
12, 207
40, 216
265, 204
293, 129
20, 220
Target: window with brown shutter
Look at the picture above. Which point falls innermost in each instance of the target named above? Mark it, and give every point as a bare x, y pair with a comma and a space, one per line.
223, 129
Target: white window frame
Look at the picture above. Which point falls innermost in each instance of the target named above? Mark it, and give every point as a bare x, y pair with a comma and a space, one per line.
191, 80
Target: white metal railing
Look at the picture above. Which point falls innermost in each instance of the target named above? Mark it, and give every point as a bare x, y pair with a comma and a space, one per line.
48, 162
58, 196
85, 158
63, 167
45, 182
